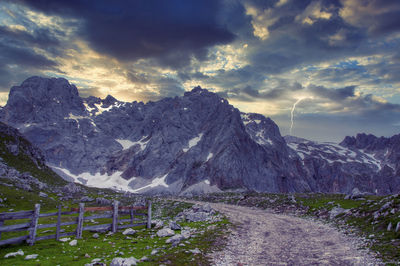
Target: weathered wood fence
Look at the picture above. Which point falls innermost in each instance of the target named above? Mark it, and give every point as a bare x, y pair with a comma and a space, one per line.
33, 225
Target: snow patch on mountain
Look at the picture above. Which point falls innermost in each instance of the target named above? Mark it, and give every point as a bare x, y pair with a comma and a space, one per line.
193, 142
114, 181
158, 181
127, 144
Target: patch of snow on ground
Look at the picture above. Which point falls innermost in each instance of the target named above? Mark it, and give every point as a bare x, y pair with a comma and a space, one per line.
126, 143
100, 181
158, 181
193, 142
207, 182
210, 155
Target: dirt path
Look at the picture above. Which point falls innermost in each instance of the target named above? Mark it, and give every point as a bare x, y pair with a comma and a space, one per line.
265, 238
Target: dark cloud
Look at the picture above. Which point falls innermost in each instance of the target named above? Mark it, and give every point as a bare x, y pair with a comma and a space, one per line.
379, 17
19, 60
169, 31
333, 94
41, 38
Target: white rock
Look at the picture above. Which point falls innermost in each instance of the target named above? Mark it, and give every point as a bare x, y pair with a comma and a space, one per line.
43, 195
129, 231
336, 211
195, 251
154, 252
31, 257
124, 261
176, 238
65, 239
95, 235
389, 228
165, 232
186, 234
73, 242
14, 254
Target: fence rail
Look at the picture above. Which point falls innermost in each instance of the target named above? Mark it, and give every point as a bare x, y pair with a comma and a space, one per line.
33, 225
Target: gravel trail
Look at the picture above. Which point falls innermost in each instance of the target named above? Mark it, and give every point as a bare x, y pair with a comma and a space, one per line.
265, 238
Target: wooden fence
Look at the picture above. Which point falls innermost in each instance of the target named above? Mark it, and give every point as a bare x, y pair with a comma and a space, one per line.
33, 225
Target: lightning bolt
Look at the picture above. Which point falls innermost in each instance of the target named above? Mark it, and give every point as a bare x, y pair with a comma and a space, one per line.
292, 114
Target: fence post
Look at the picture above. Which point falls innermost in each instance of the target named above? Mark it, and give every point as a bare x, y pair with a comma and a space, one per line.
149, 215
58, 223
115, 217
131, 213
1, 224
34, 225
80, 220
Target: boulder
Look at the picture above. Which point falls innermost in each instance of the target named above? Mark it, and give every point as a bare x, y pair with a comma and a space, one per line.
195, 251
186, 234
174, 226
103, 201
86, 199
196, 216
389, 227
71, 188
14, 254
129, 231
175, 239
31, 257
124, 261
157, 223
336, 211
43, 195
73, 243
165, 232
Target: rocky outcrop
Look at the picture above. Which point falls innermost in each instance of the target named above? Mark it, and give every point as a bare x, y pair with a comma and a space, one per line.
366, 163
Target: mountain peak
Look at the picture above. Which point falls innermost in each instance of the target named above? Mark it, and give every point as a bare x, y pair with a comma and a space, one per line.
39, 98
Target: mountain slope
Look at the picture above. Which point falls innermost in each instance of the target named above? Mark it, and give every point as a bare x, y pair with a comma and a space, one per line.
169, 145
342, 167
189, 144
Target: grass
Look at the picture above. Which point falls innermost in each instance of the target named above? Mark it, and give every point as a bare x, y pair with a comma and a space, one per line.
106, 247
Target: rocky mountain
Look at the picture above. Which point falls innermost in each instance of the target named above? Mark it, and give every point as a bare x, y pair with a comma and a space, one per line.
369, 163
189, 144
22, 166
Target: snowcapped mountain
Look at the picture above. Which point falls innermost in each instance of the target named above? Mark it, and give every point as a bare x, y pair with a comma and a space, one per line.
189, 144
352, 163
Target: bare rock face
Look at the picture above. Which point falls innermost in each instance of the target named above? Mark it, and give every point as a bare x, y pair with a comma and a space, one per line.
196, 143
358, 166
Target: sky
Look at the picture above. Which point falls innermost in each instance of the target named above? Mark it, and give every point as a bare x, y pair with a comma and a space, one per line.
338, 60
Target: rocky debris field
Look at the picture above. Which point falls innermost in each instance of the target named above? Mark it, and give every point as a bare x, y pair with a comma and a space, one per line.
181, 234
373, 220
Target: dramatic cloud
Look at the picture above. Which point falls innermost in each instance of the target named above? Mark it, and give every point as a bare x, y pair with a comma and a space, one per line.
340, 57
171, 32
